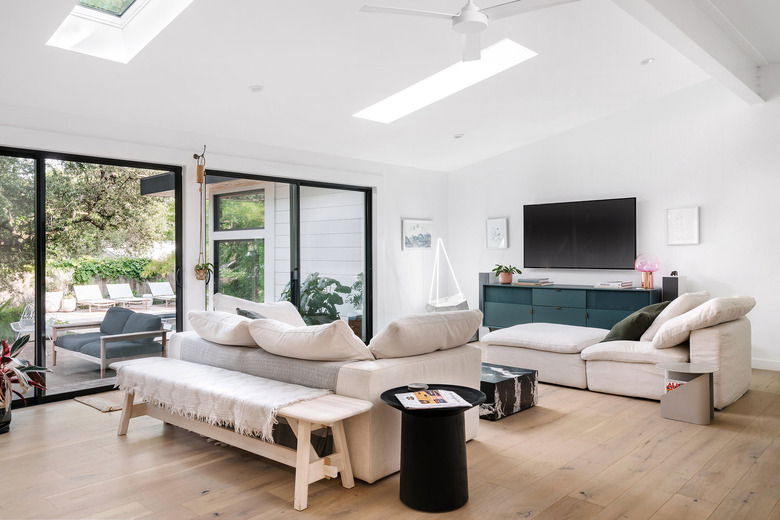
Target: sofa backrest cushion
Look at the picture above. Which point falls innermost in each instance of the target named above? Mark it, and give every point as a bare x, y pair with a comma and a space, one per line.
333, 341
114, 321
140, 322
224, 328
717, 310
423, 333
677, 307
280, 311
635, 324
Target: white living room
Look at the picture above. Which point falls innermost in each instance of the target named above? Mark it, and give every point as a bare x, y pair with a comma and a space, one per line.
674, 106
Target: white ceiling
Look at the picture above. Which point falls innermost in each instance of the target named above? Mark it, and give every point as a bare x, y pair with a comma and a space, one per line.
320, 62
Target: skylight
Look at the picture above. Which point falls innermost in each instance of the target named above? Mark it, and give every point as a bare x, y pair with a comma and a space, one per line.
495, 59
93, 27
114, 7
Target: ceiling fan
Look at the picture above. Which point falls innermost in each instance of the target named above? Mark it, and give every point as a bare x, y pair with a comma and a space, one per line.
471, 20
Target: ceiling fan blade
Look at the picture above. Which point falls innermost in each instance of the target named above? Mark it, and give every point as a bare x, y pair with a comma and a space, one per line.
519, 6
412, 12
472, 47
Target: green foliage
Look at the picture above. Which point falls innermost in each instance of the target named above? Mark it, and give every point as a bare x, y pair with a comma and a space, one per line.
242, 268
17, 220
498, 269
319, 297
111, 269
355, 297
157, 269
241, 211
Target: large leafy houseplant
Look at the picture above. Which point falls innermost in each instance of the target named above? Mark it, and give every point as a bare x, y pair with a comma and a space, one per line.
319, 297
19, 371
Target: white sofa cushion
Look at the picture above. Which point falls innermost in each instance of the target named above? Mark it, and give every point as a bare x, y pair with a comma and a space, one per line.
626, 351
551, 337
713, 312
222, 327
423, 333
677, 307
279, 311
333, 341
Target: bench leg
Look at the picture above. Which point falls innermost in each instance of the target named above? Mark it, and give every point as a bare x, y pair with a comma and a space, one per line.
127, 412
340, 444
302, 466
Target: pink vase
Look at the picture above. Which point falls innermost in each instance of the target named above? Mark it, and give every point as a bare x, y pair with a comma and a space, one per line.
504, 277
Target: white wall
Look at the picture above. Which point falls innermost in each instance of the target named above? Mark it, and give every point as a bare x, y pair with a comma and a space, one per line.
697, 147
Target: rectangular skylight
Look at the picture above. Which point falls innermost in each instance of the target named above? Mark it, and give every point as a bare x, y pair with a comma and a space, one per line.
495, 59
94, 31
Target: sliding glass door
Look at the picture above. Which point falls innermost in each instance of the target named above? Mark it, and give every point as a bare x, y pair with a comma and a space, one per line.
272, 240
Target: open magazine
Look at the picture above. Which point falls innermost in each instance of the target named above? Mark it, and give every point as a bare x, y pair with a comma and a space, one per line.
431, 399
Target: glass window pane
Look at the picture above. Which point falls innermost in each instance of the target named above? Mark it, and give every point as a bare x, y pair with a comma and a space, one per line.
240, 268
240, 211
115, 7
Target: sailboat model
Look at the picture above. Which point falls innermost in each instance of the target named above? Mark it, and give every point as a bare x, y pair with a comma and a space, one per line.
437, 302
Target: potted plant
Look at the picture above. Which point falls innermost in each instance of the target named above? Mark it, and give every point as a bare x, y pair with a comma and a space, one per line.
505, 272
203, 271
19, 371
319, 297
355, 298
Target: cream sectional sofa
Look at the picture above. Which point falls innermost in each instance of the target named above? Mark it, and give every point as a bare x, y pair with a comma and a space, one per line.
428, 347
692, 328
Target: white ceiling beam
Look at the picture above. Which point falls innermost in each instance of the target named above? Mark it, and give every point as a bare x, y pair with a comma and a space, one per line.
687, 28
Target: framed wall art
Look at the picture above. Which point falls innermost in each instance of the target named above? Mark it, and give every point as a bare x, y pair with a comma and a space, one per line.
417, 234
682, 226
497, 237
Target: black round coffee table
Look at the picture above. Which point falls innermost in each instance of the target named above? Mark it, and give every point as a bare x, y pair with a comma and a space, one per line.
434, 472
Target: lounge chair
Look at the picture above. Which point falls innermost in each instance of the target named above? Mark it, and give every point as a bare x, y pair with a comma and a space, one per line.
122, 293
124, 334
26, 323
90, 296
162, 291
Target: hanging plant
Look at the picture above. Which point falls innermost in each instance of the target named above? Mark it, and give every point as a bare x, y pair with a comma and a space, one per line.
203, 271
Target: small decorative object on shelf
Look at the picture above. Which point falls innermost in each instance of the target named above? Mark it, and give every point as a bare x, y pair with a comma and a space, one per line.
647, 264
505, 272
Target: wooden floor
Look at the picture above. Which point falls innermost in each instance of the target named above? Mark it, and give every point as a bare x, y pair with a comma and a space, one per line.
576, 455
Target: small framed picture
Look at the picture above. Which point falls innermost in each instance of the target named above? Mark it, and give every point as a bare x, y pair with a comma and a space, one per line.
497, 237
682, 226
417, 234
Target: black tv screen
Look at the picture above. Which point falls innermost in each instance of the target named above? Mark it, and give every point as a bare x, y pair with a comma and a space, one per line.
593, 234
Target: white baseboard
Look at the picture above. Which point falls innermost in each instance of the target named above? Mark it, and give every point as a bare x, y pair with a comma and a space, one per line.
766, 364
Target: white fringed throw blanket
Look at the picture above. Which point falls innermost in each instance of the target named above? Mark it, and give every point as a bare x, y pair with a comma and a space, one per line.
214, 395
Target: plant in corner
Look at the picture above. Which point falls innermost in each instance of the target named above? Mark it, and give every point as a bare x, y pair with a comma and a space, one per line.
19, 371
505, 272
319, 297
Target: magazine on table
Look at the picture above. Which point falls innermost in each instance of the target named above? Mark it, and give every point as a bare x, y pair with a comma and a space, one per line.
431, 399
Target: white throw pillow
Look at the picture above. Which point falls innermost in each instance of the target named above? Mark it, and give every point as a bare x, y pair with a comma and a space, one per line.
677, 307
329, 342
717, 310
279, 311
423, 333
222, 327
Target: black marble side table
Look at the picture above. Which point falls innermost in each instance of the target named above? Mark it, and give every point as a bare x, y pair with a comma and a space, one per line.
434, 472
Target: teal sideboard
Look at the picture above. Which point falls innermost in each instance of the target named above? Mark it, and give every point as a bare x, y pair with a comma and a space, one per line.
505, 305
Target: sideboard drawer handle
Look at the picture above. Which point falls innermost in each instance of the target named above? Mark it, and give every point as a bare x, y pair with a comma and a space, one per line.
558, 308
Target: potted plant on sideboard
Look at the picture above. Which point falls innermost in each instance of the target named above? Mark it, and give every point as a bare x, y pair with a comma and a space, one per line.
505, 272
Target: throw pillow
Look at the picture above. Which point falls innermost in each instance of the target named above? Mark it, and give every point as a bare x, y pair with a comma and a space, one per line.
677, 307
280, 311
424, 333
252, 315
333, 341
224, 328
635, 324
713, 312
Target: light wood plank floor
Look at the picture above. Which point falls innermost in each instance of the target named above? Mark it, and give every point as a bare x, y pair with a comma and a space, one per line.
577, 455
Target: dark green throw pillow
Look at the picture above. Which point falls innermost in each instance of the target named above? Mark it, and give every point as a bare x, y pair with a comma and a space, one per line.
634, 325
255, 315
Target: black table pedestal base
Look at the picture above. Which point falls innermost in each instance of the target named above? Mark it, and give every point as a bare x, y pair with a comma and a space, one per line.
434, 474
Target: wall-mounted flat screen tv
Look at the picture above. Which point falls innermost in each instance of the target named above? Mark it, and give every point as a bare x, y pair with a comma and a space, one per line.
592, 234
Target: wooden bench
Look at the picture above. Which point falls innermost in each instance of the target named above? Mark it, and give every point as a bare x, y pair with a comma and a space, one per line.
303, 417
